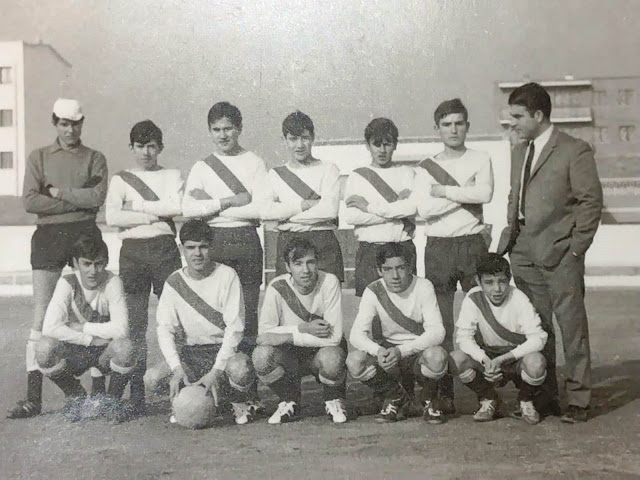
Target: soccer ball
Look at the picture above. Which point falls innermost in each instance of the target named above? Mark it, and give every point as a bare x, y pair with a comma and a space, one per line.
193, 407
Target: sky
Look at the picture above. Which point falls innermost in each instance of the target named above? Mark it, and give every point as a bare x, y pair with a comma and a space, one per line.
342, 62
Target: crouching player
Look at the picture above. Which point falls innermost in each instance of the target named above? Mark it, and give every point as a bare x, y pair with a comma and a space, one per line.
400, 313
200, 324
86, 326
300, 333
500, 339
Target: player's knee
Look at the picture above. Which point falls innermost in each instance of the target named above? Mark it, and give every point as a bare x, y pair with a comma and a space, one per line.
239, 368
435, 358
357, 362
534, 364
459, 362
156, 376
46, 352
122, 352
263, 358
331, 361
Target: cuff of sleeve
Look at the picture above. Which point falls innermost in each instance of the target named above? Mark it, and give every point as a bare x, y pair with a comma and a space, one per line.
478, 355
86, 340
220, 363
373, 351
61, 193
298, 338
173, 363
377, 208
138, 205
517, 352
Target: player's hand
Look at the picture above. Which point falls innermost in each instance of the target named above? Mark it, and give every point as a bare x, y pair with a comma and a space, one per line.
502, 359
199, 194
177, 378
357, 201
390, 358
212, 381
404, 194
273, 339
307, 204
240, 200
99, 342
438, 191
53, 191
317, 328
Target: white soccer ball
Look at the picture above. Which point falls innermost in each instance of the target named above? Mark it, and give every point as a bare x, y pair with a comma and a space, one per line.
193, 407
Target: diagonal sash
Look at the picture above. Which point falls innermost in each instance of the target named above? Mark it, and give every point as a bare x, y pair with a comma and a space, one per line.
393, 311
81, 308
388, 193
146, 193
507, 335
293, 302
194, 300
226, 175
444, 178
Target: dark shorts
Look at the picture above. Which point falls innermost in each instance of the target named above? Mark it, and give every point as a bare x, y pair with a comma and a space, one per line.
240, 249
510, 370
366, 270
448, 261
328, 249
79, 358
51, 244
146, 263
198, 360
303, 356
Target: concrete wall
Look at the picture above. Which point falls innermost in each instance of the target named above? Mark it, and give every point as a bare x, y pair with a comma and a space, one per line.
11, 98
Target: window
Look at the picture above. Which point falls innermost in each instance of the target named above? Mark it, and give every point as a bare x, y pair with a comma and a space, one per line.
627, 133
599, 97
6, 160
601, 135
6, 118
625, 96
5, 74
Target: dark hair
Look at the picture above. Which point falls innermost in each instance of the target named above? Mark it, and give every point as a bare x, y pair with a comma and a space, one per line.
448, 107
492, 264
533, 97
224, 110
297, 248
296, 123
393, 250
195, 231
55, 119
90, 247
381, 129
145, 132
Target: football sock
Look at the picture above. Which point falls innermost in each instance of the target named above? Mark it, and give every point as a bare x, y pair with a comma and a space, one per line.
34, 387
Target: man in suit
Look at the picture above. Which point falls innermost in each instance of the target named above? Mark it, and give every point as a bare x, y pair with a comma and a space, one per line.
554, 210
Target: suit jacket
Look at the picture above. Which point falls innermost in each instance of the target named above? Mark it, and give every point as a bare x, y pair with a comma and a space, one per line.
563, 203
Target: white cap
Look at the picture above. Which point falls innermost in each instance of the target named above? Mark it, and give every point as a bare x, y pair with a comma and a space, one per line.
68, 108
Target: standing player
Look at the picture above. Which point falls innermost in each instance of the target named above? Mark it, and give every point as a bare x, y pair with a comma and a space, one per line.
500, 338
200, 323
304, 197
450, 190
141, 202
86, 325
64, 184
226, 189
378, 205
300, 333
397, 335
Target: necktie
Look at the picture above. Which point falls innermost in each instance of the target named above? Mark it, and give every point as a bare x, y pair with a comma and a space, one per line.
527, 176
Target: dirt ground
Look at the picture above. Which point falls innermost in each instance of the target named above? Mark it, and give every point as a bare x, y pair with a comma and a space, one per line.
607, 446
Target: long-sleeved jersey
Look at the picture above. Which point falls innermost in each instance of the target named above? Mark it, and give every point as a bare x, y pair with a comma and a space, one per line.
147, 219
447, 217
101, 312
516, 314
385, 221
412, 321
284, 204
201, 312
284, 307
248, 169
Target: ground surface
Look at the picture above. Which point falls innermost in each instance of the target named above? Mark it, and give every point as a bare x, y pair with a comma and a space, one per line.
608, 446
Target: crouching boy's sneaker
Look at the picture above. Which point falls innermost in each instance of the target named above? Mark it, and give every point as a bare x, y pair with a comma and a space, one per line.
336, 409
286, 412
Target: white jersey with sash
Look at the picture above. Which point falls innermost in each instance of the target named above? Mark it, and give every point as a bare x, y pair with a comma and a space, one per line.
201, 312
220, 176
288, 187
513, 326
388, 219
284, 309
101, 312
155, 197
410, 320
468, 182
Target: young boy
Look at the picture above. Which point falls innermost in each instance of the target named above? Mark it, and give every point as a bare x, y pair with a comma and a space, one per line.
378, 205
450, 190
500, 339
397, 335
141, 202
200, 323
86, 325
300, 333
65, 185
304, 197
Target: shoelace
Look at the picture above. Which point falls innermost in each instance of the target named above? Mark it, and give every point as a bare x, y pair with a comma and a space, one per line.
527, 408
241, 409
390, 408
335, 406
285, 408
487, 405
432, 411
